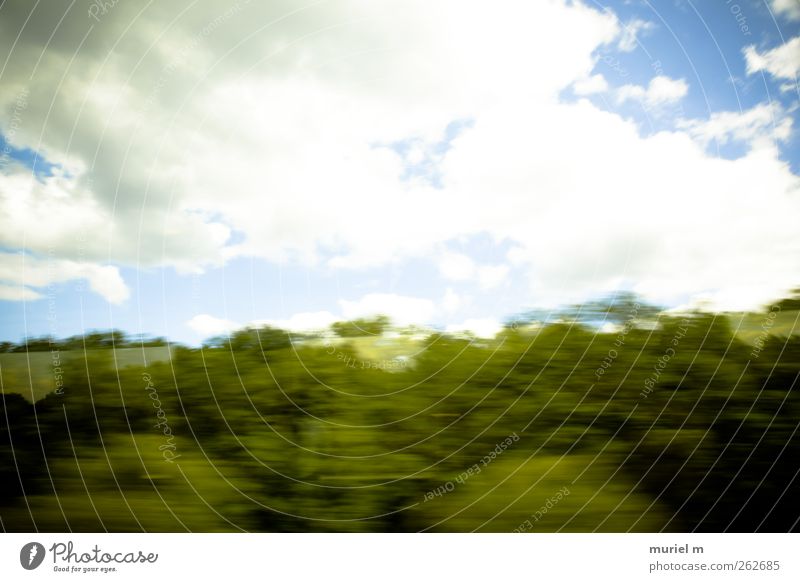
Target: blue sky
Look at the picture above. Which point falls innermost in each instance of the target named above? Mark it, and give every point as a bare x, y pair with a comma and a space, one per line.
450, 166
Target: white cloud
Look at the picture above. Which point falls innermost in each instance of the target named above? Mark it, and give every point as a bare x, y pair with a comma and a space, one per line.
665, 90
492, 276
456, 266
631, 32
660, 91
677, 221
591, 85
302, 322
788, 8
480, 327
29, 271
609, 327
763, 123
459, 267
452, 301
631, 92
17, 293
303, 168
105, 281
207, 325
287, 153
402, 310
782, 62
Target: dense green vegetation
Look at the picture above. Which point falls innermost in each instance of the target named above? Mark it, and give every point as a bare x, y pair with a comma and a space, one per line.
664, 423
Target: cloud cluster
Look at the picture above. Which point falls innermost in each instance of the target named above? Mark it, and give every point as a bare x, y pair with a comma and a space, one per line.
591, 85
631, 31
782, 62
206, 325
661, 90
186, 135
27, 277
788, 8
460, 267
765, 123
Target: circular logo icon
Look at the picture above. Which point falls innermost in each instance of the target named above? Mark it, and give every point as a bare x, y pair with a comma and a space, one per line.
31, 555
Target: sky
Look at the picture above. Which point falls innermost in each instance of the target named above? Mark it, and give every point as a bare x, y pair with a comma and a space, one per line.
186, 169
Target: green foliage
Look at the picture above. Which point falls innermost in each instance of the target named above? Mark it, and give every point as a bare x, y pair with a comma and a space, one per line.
685, 428
791, 303
97, 340
252, 340
361, 327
